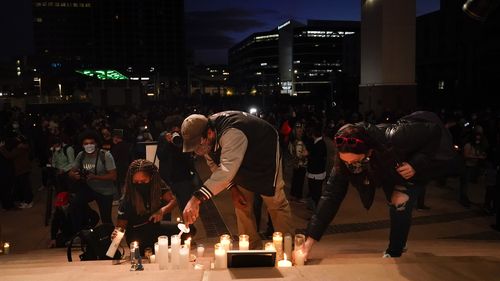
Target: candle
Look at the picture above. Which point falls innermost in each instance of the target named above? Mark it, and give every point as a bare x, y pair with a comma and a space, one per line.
288, 245
162, 252
220, 256
152, 259
200, 250
176, 245
244, 242
116, 242
269, 246
134, 252
278, 245
157, 248
178, 219
225, 241
184, 257
6, 248
299, 257
284, 262
187, 242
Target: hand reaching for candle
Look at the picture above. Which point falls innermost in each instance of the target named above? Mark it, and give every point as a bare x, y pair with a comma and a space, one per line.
239, 199
191, 211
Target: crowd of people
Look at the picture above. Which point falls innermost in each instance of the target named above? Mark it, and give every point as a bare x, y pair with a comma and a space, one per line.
98, 155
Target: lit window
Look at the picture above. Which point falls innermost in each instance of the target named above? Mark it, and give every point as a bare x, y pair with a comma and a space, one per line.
39, 20
38, 4
441, 85
50, 4
87, 5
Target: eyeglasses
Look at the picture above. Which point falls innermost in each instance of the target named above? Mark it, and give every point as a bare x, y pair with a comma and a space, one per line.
347, 141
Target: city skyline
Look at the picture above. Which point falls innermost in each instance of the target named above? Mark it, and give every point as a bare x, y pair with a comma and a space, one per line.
212, 27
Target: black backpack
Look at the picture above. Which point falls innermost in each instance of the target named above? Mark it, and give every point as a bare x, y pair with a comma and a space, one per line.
94, 243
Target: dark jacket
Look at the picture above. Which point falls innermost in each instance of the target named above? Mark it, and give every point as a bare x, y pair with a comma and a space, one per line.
175, 166
316, 160
415, 142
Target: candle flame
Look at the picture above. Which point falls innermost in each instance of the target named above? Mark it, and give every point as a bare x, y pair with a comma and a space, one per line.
178, 219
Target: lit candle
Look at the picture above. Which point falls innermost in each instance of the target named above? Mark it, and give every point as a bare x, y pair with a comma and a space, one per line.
225, 241
278, 245
299, 257
269, 246
184, 257
200, 250
152, 259
220, 256
178, 220
157, 248
187, 242
284, 263
162, 252
6, 248
288, 245
176, 245
134, 252
244, 242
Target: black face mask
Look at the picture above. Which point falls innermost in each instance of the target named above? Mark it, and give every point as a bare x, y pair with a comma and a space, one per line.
358, 166
141, 186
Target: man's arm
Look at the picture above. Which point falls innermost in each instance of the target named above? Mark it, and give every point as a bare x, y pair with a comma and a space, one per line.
234, 145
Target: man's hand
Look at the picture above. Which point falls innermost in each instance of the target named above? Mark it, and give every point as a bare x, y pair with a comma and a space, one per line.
406, 170
157, 217
239, 199
191, 211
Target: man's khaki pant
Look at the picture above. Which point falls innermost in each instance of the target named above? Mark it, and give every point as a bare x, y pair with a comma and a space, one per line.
277, 206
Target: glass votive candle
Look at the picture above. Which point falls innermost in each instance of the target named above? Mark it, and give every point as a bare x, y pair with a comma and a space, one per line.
269, 246
6, 248
220, 256
200, 250
225, 241
134, 252
244, 242
148, 251
300, 239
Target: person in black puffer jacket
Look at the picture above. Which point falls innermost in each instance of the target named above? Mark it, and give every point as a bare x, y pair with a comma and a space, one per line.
398, 157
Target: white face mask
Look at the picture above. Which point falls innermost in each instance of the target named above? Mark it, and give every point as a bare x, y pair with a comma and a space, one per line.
89, 148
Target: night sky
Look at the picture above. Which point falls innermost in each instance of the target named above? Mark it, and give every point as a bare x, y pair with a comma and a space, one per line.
211, 26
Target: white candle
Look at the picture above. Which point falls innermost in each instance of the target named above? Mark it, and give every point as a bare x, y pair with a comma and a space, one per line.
269, 246
220, 256
187, 242
244, 243
278, 245
157, 248
116, 242
152, 259
225, 241
200, 250
162, 252
284, 263
184, 257
288, 245
176, 245
299, 257
6, 248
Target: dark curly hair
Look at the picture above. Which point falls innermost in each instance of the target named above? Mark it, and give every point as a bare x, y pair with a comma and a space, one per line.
145, 166
90, 134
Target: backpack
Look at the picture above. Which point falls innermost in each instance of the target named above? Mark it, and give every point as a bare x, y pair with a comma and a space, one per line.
94, 243
65, 149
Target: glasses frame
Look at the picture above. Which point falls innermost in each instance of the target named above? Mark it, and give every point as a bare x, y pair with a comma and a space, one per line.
340, 141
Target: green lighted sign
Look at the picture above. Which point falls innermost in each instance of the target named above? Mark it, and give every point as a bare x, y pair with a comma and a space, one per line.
108, 74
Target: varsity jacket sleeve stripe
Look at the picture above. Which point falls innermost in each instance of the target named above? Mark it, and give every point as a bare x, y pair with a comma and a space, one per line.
234, 145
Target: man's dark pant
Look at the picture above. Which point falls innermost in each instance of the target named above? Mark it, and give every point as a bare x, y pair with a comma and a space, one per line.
298, 177
79, 206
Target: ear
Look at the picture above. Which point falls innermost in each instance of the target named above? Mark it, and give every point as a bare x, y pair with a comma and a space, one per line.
370, 152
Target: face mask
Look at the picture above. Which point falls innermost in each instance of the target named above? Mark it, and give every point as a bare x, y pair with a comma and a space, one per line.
359, 166
141, 186
89, 148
